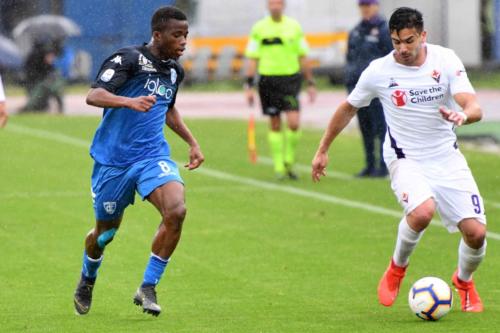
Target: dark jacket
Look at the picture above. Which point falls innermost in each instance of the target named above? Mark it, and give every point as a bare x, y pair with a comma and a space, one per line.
369, 40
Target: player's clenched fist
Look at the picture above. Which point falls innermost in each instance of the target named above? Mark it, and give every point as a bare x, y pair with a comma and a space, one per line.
142, 103
458, 118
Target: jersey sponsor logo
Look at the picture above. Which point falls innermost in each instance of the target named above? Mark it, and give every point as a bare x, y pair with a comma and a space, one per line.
107, 75
399, 98
156, 88
173, 75
392, 83
109, 207
146, 64
117, 60
436, 75
424, 95
272, 41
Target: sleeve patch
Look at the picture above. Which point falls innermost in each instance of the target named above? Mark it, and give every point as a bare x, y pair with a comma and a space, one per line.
107, 75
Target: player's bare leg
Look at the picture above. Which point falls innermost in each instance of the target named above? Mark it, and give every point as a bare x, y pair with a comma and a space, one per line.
95, 242
292, 137
169, 200
471, 252
410, 231
277, 146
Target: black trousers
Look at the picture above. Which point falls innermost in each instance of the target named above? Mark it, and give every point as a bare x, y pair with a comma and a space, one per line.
372, 125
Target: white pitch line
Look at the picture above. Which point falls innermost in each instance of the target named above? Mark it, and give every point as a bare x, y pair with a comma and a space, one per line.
341, 175
62, 138
492, 203
44, 194
43, 134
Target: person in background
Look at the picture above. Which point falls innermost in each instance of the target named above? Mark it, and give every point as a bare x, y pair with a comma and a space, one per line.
42, 80
3, 111
369, 40
277, 51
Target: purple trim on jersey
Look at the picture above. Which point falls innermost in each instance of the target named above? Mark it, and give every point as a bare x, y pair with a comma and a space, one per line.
399, 151
455, 145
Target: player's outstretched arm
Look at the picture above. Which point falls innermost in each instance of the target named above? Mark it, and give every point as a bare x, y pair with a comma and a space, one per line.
339, 121
100, 97
471, 110
175, 122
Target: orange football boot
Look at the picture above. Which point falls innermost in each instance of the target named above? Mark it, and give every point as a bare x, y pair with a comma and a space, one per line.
469, 297
388, 287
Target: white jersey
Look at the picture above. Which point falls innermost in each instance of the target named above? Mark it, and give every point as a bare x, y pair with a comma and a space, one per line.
411, 97
2, 94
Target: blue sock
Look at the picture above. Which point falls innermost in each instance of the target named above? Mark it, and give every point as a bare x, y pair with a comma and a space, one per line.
154, 270
90, 266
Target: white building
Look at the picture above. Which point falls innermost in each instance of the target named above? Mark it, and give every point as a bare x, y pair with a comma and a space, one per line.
451, 23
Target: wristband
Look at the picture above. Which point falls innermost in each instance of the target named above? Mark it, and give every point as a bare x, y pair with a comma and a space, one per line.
464, 116
249, 82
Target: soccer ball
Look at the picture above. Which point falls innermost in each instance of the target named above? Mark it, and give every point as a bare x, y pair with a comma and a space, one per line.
430, 298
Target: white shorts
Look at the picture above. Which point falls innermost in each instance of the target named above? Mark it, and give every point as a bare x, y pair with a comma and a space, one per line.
448, 180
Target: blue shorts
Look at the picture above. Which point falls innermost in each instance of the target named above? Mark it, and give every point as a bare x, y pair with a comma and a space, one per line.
113, 188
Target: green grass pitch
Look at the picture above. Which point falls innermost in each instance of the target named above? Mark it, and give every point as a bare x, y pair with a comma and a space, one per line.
256, 255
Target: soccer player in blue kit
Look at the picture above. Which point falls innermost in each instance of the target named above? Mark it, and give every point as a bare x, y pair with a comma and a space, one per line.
137, 87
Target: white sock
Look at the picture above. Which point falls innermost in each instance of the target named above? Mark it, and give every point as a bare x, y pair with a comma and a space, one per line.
406, 242
469, 259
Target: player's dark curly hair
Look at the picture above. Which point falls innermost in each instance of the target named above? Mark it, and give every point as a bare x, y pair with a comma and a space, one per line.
405, 17
163, 14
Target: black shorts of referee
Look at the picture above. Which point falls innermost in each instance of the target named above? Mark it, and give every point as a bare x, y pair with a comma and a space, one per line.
279, 93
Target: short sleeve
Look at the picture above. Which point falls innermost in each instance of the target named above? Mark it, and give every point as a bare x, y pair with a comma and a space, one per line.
180, 77
2, 93
457, 75
116, 70
253, 46
303, 47
364, 91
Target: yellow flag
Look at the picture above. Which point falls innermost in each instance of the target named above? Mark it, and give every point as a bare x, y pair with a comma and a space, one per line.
252, 147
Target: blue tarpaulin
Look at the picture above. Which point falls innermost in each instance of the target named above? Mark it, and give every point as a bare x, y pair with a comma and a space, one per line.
497, 30
111, 24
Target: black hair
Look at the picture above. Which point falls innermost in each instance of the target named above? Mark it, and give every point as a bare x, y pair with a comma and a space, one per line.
406, 18
163, 14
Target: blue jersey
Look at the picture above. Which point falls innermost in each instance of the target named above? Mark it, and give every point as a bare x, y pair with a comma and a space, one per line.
126, 136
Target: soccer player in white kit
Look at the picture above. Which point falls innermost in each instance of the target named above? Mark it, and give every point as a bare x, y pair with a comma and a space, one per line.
425, 93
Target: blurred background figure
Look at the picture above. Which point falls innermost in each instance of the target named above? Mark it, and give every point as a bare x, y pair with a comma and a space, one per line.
277, 51
369, 40
42, 37
42, 80
3, 110
10, 54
